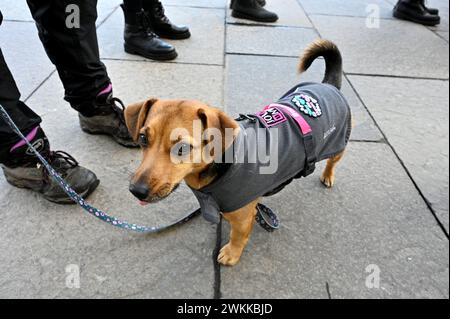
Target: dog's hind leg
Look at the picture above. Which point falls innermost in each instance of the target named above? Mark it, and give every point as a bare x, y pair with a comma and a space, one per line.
328, 175
241, 222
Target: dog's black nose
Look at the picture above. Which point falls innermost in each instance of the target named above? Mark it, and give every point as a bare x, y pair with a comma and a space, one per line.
141, 191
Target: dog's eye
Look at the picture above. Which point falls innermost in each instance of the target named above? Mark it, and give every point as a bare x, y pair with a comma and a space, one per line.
184, 149
143, 140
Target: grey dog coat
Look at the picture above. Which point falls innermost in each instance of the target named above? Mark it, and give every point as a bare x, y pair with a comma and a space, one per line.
326, 118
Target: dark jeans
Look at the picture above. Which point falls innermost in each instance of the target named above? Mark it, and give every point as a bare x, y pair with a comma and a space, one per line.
74, 52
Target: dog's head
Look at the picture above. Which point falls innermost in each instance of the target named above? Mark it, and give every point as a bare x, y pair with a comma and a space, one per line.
175, 147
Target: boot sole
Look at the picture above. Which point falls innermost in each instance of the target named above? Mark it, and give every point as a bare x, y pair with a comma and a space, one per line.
241, 15
60, 201
179, 36
404, 16
122, 142
158, 57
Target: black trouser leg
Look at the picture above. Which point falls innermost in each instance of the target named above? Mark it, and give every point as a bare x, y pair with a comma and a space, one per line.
148, 4
74, 51
130, 8
23, 116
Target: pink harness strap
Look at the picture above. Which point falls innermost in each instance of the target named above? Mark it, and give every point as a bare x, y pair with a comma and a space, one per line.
304, 126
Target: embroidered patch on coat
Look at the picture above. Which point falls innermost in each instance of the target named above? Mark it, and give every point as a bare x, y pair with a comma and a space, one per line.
272, 116
307, 105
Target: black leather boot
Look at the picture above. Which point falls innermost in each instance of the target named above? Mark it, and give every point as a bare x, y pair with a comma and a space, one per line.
23, 169
429, 10
413, 10
162, 26
262, 3
252, 10
141, 40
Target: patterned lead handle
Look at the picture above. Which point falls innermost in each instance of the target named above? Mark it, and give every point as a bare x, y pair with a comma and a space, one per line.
266, 218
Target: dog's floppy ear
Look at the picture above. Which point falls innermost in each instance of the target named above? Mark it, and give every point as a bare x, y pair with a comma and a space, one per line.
215, 118
135, 116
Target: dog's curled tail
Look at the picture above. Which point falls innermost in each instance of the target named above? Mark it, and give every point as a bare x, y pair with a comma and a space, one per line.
333, 60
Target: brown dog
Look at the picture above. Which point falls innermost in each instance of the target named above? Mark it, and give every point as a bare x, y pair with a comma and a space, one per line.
153, 122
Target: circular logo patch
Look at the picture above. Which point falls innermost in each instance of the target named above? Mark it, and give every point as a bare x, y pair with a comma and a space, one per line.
307, 105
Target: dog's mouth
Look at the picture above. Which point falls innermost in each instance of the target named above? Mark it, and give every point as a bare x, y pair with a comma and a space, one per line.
157, 199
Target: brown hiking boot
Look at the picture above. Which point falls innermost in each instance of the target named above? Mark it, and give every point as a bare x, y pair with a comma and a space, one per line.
108, 120
23, 169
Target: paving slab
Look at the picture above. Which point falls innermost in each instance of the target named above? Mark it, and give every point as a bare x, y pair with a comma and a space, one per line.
419, 135
105, 8
332, 236
443, 35
289, 12
197, 3
354, 8
397, 48
31, 66
113, 263
253, 82
167, 81
280, 41
443, 7
135, 81
15, 10
206, 46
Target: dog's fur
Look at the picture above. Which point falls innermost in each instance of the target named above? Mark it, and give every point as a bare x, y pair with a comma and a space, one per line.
156, 119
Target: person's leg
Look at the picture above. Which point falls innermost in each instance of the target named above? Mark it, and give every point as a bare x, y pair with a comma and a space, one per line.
19, 164
139, 36
252, 10
21, 114
75, 53
161, 25
131, 7
415, 10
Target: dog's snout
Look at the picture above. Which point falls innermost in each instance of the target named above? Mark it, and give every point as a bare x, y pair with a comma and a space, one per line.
139, 190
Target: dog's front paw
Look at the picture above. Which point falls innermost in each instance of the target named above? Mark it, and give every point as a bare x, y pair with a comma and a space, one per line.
229, 255
327, 180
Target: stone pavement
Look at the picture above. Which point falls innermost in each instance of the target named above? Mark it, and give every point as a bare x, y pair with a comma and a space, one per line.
389, 210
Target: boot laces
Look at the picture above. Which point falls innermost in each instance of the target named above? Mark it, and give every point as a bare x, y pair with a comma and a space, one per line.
118, 107
61, 162
145, 23
64, 157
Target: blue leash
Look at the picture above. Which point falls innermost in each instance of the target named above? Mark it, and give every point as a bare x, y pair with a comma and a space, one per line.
81, 202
